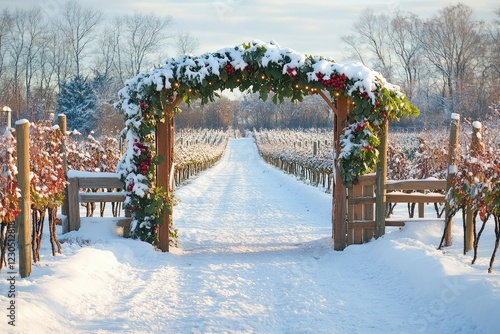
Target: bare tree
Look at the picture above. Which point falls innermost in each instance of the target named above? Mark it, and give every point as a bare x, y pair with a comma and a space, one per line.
406, 44
35, 30
141, 36
495, 49
17, 41
185, 43
355, 46
79, 26
453, 42
372, 31
5, 26
106, 51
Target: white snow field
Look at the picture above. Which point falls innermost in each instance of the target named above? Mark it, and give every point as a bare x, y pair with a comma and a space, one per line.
255, 256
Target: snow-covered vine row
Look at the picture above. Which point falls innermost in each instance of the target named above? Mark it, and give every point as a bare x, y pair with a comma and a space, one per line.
307, 154
197, 150
411, 155
47, 183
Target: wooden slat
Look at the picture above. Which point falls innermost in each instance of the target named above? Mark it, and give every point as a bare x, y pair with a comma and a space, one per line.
401, 222
101, 197
416, 184
100, 182
362, 200
397, 197
355, 212
368, 212
370, 224
367, 179
73, 205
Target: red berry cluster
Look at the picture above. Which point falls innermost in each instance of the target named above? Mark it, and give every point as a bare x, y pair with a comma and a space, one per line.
360, 126
335, 81
146, 158
292, 72
229, 69
364, 95
248, 68
143, 105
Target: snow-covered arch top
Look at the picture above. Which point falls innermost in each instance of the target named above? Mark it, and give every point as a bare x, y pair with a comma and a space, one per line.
267, 69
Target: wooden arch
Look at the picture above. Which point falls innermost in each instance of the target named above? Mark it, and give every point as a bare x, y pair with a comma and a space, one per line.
359, 97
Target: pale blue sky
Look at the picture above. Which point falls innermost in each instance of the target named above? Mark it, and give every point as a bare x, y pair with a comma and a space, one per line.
311, 27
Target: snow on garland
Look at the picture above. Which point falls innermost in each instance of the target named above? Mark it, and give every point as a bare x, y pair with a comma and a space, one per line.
267, 69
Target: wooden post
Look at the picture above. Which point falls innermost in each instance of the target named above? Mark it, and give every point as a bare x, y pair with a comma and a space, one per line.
452, 155
7, 117
162, 177
476, 149
165, 148
23, 179
339, 202
61, 121
421, 210
368, 191
381, 182
73, 204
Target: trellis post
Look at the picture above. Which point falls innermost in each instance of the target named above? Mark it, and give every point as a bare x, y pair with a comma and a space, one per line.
5, 118
23, 179
476, 149
61, 122
452, 156
380, 203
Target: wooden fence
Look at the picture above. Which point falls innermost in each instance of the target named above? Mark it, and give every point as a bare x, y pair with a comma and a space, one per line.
373, 190
362, 198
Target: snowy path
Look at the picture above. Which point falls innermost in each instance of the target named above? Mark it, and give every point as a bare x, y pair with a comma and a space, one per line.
255, 256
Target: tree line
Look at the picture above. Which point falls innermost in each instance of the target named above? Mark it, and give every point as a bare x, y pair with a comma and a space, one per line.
447, 63
41, 51
75, 59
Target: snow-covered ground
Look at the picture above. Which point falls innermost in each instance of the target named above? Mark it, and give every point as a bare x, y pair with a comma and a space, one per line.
255, 256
